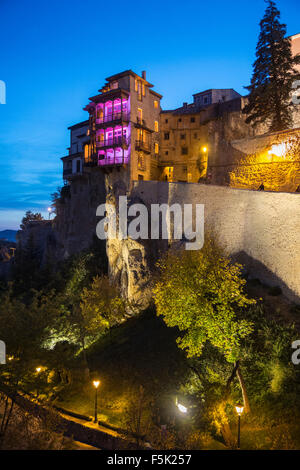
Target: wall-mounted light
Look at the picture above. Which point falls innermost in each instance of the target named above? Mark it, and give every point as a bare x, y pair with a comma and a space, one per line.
279, 150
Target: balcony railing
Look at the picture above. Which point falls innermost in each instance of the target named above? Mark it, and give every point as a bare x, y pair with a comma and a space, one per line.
141, 145
119, 140
107, 161
122, 116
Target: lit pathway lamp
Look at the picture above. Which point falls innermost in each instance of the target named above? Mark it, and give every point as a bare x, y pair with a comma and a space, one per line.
38, 370
49, 211
96, 384
181, 408
205, 153
239, 410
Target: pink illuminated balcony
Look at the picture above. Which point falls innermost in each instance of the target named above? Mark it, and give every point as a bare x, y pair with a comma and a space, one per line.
113, 141
124, 116
110, 157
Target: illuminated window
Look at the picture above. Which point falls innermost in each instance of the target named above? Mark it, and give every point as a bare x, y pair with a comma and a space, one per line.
140, 114
155, 104
168, 173
143, 88
139, 88
136, 85
156, 148
86, 152
156, 126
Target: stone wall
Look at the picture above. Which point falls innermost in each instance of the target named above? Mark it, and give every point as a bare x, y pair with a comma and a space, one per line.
76, 219
249, 162
259, 229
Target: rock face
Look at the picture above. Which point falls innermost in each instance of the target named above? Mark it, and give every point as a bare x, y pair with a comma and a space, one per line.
43, 238
261, 229
75, 223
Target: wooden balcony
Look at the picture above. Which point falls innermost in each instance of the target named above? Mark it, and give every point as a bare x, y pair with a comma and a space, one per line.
115, 117
144, 146
113, 142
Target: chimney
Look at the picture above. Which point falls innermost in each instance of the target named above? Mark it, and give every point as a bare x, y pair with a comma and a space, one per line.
185, 105
144, 74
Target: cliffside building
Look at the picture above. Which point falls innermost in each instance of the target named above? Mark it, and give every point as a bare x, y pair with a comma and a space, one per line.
79, 140
129, 136
124, 127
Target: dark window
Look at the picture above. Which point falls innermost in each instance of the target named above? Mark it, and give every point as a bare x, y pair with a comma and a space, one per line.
184, 150
167, 120
167, 152
195, 135
179, 120
192, 119
78, 166
140, 177
182, 136
167, 136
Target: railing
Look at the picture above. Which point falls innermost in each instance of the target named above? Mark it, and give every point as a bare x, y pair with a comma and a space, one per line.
113, 161
119, 140
139, 144
124, 116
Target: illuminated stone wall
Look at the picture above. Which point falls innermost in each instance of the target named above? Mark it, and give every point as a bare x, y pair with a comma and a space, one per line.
259, 229
271, 159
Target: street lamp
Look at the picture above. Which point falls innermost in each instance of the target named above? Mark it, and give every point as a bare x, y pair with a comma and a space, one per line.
239, 410
182, 408
96, 384
49, 211
38, 369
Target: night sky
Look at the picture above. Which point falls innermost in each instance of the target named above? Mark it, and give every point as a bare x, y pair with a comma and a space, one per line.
55, 54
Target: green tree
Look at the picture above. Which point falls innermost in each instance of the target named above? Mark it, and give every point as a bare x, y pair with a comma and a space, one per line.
30, 217
273, 74
201, 293
90, 310
24, 329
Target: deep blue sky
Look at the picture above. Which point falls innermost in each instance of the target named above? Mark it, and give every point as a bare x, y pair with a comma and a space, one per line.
54, 54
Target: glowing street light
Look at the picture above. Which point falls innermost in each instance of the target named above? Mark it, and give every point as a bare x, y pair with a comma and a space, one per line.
38, 369
96, 384
239, 410
182, 408
204, 149
49, 211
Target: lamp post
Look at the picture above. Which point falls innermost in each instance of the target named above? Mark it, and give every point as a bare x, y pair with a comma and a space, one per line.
205, 153
239, 410
49, 211
38, 370
96, 384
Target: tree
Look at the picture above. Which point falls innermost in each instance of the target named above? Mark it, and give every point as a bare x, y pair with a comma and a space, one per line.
90, 310
30, 217
273, 74
201, 292
24, 329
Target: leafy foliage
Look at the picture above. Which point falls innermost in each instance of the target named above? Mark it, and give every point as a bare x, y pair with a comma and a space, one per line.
200, 292
30, 217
